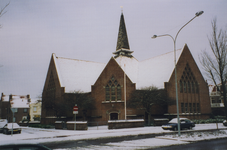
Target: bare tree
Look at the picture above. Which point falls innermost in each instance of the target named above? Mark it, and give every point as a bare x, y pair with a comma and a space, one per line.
3, 11
215, 65
146, 97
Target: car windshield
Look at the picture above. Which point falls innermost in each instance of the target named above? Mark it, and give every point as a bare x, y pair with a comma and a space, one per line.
14, 125
173, 120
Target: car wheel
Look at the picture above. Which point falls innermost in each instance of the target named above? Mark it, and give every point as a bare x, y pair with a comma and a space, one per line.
190, 128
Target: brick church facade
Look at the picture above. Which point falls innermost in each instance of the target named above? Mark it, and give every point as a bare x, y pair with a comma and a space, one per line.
111, 84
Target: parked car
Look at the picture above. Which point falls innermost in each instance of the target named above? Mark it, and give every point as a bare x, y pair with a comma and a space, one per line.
3, 122
9, 126
225, 122
24, 147
173, 125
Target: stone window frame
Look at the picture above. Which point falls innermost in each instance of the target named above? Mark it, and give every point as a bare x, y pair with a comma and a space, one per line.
113, 90
188, 83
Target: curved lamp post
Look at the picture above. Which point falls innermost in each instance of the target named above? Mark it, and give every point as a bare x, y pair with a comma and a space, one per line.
175, 63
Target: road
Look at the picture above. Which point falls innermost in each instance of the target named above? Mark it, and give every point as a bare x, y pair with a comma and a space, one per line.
218, 144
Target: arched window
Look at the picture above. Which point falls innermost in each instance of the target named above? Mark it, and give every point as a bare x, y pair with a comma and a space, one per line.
181, 86
190, 84
113, 90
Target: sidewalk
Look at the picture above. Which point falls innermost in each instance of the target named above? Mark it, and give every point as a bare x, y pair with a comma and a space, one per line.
37, 135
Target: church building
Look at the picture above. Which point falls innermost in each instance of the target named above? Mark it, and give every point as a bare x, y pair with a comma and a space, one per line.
111, 84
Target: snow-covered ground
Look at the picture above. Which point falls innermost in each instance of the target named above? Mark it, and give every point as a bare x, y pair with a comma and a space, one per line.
37, 135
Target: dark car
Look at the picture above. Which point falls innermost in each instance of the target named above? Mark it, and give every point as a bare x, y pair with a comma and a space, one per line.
9, 127
173, 125
24, 147
225, 122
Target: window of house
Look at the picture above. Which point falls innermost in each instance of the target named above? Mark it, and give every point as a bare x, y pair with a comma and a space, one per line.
181, 86
15, 110
34, 108
189, 87
194, 108
198, 108
190, 107
118, 92
219, 100
185, 87
186, 107
113, 90
193, 87
182, 107
25, 110
196, 87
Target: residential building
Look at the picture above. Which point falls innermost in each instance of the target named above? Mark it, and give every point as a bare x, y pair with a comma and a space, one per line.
35, 110
216, 100
17, 103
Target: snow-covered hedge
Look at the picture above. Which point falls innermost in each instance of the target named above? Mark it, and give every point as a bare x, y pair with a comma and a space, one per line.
218, 120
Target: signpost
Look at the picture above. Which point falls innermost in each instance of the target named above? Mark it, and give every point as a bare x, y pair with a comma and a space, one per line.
75, 111
13, 110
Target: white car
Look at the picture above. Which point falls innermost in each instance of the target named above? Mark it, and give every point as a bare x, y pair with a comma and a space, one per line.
3, 122
11, 127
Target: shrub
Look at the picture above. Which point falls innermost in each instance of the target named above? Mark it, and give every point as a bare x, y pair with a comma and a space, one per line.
41, 126
219, 119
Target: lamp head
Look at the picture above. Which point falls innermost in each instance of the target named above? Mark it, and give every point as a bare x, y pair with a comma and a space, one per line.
154, 36
199, 13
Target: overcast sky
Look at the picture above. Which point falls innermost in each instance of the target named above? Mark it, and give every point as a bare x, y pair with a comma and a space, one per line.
87, 30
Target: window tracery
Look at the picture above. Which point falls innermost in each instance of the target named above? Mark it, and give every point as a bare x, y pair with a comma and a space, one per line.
113, 90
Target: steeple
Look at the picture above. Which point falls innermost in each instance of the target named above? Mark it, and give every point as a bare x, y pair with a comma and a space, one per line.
122, 40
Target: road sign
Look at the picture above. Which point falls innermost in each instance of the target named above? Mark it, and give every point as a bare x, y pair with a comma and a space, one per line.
75, 110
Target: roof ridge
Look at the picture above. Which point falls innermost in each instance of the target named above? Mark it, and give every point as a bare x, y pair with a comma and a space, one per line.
78, 60
162, 54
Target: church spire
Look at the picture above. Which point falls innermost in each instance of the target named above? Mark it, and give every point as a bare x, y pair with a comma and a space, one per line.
122, 40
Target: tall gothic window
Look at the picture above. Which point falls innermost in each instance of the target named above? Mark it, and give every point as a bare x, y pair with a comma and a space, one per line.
51, 88
188, 81
113, 90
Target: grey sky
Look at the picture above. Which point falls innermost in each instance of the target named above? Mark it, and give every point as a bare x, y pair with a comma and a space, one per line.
34, 29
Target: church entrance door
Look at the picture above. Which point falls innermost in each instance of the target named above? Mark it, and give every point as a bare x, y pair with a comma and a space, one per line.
114, 116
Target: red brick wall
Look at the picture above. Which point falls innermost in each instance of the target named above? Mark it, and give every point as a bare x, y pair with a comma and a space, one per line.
202, 97
103, 108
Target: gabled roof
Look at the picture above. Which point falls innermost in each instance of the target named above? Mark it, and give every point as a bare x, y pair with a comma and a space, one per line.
154, 71
157, 70
17, 101
77, 75
130, 66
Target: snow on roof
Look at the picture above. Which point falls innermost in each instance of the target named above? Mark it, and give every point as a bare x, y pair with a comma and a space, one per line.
130, 67
5, 98
77, 75
17, 101
157, 70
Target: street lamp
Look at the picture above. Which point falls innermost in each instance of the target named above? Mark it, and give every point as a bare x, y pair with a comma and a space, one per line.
175, 63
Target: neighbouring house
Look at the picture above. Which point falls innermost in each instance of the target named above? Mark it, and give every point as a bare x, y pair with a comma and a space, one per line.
20, 105
111, 84
35, 110
216, 100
